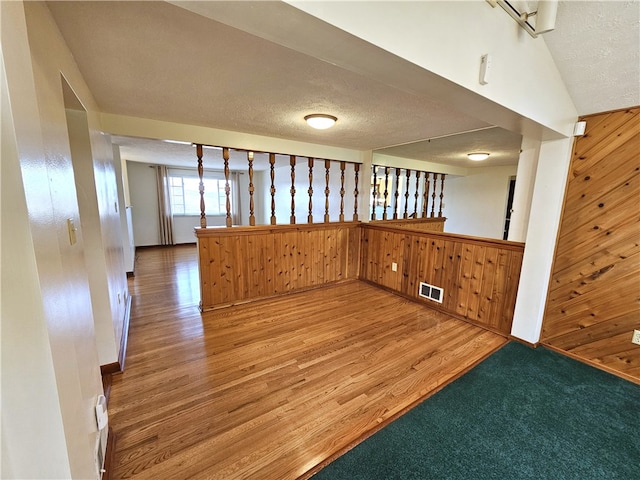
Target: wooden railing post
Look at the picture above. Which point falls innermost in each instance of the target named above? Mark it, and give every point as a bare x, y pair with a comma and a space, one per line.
342, 165
375, 192
395, 203
203, 216
386, 191
252, 218
310, 216
327, 166
433, 197
425, 196
356, 169
416, 195
292, 162
227, 187
272, 164
441, 193
406, 196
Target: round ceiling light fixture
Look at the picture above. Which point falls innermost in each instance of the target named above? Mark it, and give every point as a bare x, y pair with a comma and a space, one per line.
321, 121
477, 156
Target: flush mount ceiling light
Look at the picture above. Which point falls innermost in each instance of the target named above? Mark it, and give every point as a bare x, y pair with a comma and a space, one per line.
321, 121
477, 156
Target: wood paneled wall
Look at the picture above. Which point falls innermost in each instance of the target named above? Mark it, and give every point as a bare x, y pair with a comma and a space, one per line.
594, 295
245, 263
479, 276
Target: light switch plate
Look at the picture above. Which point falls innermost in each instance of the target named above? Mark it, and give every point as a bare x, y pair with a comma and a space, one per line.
72, 231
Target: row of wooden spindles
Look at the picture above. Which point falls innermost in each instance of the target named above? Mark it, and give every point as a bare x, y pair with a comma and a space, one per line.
430, 182
293, 160
429, 179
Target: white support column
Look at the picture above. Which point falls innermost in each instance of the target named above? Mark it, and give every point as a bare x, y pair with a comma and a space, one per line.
544, 219
364, 200
525, 180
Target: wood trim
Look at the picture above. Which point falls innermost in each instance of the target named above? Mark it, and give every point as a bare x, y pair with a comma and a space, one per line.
309, 473
591, 115
591, 363
437, 307
118, 367
503, 244
524, 342
269, 229
107, 380
110, 368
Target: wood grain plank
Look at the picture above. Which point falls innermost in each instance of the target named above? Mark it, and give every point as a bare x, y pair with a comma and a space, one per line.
593, 303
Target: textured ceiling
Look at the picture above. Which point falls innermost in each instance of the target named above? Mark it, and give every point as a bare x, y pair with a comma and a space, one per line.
198, 71
596, 47
157, 60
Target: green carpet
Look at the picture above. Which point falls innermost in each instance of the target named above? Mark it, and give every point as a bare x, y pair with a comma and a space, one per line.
522, 413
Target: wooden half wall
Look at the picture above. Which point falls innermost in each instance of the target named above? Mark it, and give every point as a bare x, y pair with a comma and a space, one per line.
247, 263
593, 304
479, 276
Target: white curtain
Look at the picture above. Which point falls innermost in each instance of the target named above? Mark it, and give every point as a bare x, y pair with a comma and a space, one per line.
164, 205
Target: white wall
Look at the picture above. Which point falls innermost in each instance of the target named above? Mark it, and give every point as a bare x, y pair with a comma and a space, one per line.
477, 203
126, 226
50, 430
105, 319
31, 415
144, 204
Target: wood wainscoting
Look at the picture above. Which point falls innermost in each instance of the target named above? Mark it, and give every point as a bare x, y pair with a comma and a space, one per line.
479, 276
594, 294
246, 263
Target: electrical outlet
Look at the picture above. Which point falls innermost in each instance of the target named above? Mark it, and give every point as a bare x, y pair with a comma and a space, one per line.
394, 267
636, 337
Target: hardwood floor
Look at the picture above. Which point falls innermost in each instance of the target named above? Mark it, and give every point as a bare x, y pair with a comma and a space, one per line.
270, 389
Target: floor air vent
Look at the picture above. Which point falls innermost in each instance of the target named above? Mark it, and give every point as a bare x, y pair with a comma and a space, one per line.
430, 292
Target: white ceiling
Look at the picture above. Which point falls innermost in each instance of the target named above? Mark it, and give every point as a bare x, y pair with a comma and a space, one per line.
198, 71
596, 47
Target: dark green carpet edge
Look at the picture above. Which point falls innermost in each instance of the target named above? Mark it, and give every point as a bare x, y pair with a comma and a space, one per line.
522, 413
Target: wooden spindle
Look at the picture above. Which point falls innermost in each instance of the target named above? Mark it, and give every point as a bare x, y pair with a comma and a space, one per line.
433, 197
397, 194
375, 192
292, 162
441, 193
327, 165
416, 195
356, 169
310, 191
386, 191
342, 165
252, 218
227, 186
272, 166
425, 196
203, 216
406, 196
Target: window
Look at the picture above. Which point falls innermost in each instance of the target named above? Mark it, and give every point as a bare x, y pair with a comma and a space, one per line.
185, 193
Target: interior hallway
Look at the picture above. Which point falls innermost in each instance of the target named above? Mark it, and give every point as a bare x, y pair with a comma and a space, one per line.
270, 389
